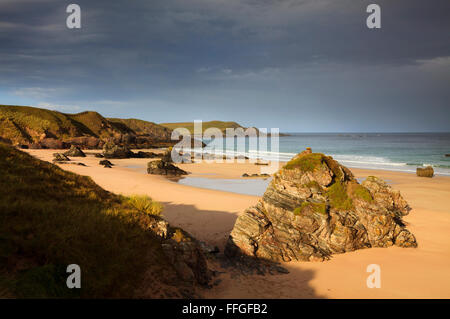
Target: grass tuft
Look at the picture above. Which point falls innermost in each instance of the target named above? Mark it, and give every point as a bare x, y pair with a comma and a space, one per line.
145, 205
338, 198
359, 191
306, 162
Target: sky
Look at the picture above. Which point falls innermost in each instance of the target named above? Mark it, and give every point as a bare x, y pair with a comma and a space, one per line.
296, 65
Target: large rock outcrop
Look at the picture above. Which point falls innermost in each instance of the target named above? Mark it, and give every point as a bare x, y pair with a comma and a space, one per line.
314, 208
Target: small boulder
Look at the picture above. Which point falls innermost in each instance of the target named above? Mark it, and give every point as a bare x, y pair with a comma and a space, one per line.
160, 167
75, 151
106, 163
59, 157
245, 175
425, 172
98, 155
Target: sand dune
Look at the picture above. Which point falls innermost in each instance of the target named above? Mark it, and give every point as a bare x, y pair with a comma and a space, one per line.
209, 215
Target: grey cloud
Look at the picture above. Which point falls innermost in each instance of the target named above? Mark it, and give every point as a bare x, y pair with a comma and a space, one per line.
231, 54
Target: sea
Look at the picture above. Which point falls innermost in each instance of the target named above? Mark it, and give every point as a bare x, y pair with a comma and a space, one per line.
402, 152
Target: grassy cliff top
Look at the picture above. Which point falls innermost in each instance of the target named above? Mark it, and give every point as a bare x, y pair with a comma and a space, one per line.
24, 124
141, 126
50, 218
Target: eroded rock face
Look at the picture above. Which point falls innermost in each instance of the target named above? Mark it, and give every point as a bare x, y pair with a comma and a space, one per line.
187, 255
314, 208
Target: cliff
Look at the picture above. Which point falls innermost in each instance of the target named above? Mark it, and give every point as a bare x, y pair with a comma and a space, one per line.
41, 128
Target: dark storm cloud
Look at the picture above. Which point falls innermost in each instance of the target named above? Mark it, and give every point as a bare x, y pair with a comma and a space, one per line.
203, 57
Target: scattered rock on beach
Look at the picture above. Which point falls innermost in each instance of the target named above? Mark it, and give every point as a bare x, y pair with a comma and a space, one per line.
111, 150
425, 172
313, 208
259, 162
75, 151
161, 167
106, 163
142, 154
255, 175
60, 157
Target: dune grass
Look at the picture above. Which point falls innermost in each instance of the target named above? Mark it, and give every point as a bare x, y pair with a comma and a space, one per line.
50, 218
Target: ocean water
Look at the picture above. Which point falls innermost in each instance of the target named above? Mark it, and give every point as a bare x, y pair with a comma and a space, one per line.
389, 151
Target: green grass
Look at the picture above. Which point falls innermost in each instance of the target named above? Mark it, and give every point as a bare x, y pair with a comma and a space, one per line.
144, 204
24, 124
50, 218
359, 191
142, 127
319, 208
313, 184
306, 162
338, 198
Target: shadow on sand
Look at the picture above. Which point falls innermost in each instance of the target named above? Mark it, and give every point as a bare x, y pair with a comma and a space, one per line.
240, 278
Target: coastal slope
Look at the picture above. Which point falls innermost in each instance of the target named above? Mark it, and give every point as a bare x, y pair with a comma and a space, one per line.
42, 128
51, 218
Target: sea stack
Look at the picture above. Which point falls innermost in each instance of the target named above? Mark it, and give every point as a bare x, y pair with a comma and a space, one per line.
313, 208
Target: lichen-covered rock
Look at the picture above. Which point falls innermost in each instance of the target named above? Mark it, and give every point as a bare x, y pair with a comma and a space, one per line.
314, 208
161, 167
187, 255
425, 172
75, 151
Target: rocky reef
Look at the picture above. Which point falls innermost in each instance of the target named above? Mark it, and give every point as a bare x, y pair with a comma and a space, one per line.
314, 208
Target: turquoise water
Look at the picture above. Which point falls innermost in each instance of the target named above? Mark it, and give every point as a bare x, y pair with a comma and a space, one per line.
390, 151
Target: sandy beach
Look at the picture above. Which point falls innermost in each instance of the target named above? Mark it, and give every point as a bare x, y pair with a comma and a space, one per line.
209, 215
